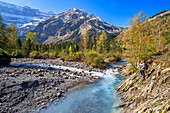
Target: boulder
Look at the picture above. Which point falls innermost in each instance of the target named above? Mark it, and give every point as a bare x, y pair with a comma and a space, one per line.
165, 70
82, 71
41, 75
67, 70
29, 83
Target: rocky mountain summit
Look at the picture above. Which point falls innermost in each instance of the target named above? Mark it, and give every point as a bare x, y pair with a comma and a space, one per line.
69, 26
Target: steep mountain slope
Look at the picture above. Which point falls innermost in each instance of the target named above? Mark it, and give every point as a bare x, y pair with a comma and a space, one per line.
152, 94
21, 15
69, 26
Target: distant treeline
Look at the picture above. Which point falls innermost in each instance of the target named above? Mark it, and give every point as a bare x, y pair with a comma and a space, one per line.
158, 14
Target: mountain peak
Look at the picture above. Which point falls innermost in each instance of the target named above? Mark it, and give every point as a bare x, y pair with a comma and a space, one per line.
92, 16
72, 9
100, 19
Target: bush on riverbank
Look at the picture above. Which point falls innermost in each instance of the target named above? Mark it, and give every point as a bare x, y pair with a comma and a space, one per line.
78, 56
5, 58
111, 57
33, 54
94, 59
16, 54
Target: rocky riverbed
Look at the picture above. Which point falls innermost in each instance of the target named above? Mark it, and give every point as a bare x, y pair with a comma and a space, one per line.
27, 89
148, 96
58, 61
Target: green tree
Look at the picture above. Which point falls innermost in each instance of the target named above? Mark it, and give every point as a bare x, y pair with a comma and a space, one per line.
13, 35
32, 36
18, 43
4, 42
29, 44
26, 47
5, 58
14, 40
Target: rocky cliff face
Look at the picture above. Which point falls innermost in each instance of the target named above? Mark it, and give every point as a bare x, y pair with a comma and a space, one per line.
69, 26
151, 95
22, 15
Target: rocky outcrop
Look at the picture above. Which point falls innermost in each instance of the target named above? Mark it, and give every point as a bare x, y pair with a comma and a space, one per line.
151, 95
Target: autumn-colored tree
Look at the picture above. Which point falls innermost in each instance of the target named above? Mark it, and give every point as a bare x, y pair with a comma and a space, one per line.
146, 38
101, 43
13, 35
70, 50
134, 39
85, 39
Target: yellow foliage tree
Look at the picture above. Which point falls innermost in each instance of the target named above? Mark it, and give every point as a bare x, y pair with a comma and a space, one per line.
70, 50
145, 38
85, 39
134, 38
101, 42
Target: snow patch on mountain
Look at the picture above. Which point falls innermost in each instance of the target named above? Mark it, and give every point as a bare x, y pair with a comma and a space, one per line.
99, 19
82, 17
11, 6
35, 22
21, 15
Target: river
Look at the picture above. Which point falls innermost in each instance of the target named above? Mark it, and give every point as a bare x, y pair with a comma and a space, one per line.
100, 97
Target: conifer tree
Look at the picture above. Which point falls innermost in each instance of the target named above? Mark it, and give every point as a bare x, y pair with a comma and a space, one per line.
4, 42
29, 44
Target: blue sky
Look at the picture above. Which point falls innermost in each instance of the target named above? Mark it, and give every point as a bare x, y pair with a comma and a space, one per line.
116, 12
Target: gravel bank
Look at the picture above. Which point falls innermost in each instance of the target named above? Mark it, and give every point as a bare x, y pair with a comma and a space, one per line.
27, 89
